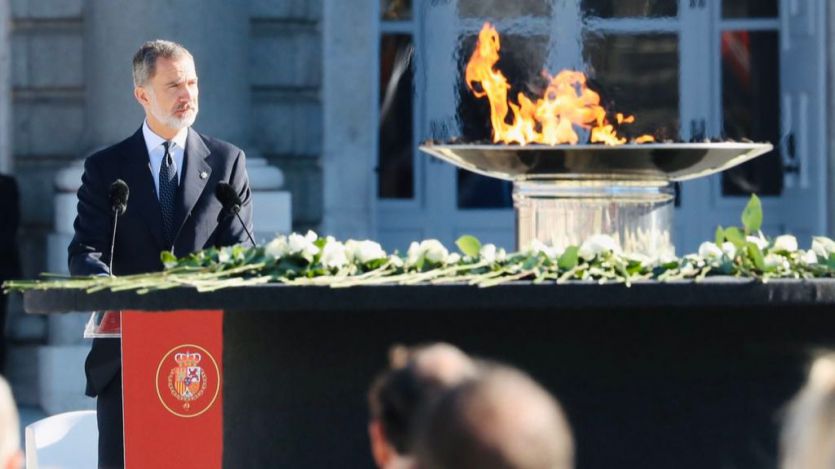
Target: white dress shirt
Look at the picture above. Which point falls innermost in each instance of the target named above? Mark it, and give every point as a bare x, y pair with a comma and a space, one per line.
156, 151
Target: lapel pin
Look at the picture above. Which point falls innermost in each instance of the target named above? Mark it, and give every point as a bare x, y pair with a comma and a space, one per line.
203, 174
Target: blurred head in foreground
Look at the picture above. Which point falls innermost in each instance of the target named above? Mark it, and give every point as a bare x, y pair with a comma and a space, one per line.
416, 376
807, 440
501, 420
11, 456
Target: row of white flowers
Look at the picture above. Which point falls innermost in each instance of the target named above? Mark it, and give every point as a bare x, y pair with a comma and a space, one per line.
334, 254
779, 255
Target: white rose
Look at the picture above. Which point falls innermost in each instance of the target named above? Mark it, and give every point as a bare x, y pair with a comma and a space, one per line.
760, 242
551, 252
277, 248
224, 255
365, 251
596, 245
785, 243
729, 249
453, 258
302, 245
296, 243
773, 261
434, 251
710, 251
395, 261
823, 246
809, 257
501, 255
414, 253
334, 254
487, 253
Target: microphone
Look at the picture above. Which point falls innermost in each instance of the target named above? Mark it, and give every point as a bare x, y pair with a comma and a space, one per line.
228, 197
118, 203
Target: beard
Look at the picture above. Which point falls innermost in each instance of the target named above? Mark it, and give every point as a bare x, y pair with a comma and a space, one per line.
169, 119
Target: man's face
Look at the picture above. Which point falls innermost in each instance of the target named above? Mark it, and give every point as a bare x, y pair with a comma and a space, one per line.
170, 97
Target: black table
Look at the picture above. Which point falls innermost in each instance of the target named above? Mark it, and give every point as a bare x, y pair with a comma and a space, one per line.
658, 375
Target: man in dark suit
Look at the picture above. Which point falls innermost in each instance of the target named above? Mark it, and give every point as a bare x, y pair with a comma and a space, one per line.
9, 257
172, 172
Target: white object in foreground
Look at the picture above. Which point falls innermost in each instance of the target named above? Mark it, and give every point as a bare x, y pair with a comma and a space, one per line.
67, 441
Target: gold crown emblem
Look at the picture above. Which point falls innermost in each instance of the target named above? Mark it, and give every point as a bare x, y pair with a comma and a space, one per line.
188, 358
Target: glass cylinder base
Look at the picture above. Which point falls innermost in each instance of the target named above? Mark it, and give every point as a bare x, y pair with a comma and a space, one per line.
638, 215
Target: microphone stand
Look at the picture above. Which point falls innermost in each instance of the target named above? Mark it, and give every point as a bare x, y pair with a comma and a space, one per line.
113, 238
251, 240
236, 210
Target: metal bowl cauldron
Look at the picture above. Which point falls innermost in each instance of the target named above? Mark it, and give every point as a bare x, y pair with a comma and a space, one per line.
564, 194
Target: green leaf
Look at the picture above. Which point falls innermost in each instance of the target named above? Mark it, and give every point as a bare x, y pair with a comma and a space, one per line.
238, 251
752, 216
830, 262
531, 262
734, 235
469, 245
168, 259
569, 258
756, 256
719, 237
375, 263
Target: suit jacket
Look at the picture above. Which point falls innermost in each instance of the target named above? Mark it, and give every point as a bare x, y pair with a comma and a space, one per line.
10, 214
139, 235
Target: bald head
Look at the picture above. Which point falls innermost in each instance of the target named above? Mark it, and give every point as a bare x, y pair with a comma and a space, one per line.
443, 364
416, 376
501, 420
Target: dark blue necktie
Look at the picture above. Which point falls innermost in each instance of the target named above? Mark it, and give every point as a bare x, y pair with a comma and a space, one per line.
167, 192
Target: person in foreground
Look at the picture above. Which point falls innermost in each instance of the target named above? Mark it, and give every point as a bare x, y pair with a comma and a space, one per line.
11, 457
500, 420
807, 440
416, 376
171, 172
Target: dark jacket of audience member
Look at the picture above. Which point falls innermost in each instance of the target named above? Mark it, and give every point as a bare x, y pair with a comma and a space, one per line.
9, 257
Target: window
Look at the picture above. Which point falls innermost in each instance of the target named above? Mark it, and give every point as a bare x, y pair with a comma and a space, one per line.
750, 68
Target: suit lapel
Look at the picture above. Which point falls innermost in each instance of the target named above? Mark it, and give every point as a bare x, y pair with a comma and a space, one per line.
196, 173
143, 196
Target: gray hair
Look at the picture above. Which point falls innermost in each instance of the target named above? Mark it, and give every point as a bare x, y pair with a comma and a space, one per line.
145, 59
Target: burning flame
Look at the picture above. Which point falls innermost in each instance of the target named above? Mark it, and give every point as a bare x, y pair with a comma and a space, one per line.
551, 119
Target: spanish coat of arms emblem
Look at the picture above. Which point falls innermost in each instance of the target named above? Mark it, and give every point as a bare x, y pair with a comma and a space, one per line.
187, 381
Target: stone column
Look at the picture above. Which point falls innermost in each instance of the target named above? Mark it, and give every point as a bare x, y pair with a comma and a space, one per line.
350, 31
830, 108
216, 32
5, 88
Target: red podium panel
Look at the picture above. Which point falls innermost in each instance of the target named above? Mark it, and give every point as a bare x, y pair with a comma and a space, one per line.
172, 390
